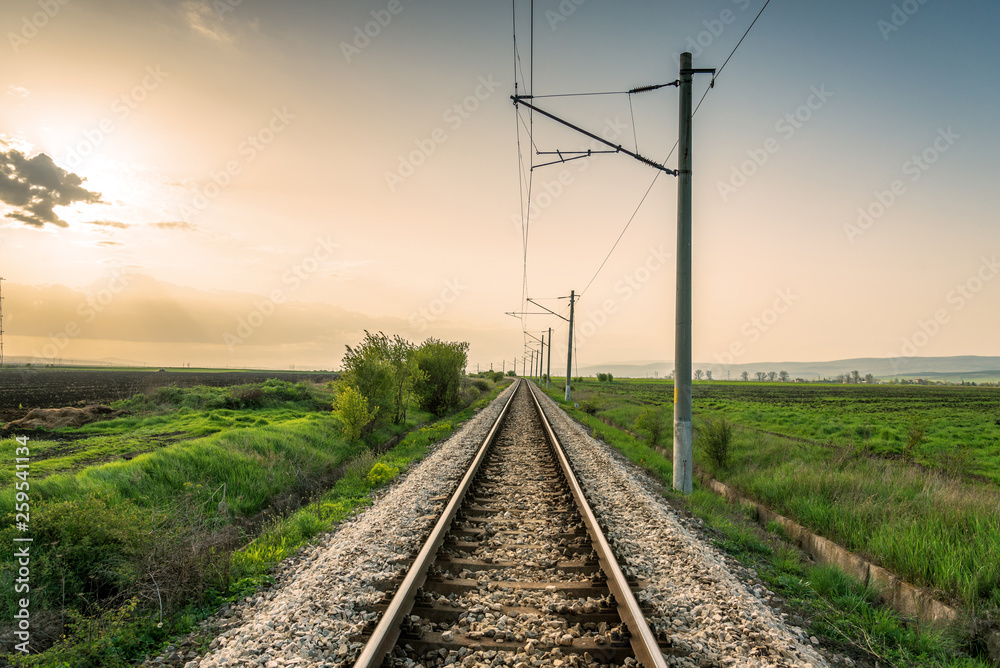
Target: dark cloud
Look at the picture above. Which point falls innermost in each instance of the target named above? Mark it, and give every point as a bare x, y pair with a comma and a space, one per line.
174, 225
36, 186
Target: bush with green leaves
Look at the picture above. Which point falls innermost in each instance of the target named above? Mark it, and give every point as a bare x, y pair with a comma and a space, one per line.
651, 423
353, 411
441, 364
381, 473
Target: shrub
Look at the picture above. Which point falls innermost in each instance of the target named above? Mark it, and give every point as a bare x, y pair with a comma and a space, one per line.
246, 396
650, 422
381, 473
481, 385
440, 364
915, 432
352, 409
590, 406
716, 437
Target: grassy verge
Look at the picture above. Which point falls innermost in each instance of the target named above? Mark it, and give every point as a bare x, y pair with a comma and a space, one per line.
932, 527
826, 602
129, 554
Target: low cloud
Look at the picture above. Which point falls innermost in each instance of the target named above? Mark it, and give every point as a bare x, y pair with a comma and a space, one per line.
18, 91
174, 225
110, 223
36, 185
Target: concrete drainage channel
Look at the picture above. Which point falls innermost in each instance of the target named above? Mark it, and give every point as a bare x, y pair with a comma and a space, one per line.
909, 600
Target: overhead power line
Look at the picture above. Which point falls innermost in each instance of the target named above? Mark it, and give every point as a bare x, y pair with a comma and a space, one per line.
657, 175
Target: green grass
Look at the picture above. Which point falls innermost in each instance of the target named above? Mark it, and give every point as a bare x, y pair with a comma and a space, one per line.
167, 415
963, 422
919, 523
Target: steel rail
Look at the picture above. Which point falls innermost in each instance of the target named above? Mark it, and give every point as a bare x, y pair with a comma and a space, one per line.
387, 631
644, 644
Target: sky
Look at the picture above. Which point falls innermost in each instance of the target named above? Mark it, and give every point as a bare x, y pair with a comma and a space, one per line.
240, 183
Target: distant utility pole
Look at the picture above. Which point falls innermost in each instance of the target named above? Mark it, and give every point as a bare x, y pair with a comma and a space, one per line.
1, 321
683, 451
569, 348
541, 356
548, 370
515, 366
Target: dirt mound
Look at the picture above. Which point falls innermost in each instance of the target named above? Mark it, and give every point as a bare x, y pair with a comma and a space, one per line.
54, 418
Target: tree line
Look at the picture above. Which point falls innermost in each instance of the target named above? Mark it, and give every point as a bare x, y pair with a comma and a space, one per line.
382, 376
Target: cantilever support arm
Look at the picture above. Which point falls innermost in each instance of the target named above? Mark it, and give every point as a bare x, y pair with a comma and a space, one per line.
519, 99
548, 309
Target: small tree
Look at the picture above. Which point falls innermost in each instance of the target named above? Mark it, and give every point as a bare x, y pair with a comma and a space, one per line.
698, 374
761, 376
367, 369
352, 408
783, 376
399, 355
772, 375
855, 376
745, 376
708, 374
602, 377
441, 364
869, 378
611, 377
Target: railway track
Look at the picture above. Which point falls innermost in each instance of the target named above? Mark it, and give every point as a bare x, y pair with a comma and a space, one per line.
516, 570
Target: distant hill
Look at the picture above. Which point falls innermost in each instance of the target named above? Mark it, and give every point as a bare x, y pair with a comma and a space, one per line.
935, 368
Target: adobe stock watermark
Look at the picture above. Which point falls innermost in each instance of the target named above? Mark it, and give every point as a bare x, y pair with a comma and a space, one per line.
291, 280
564, 10
22, 544
786, 127
755, 327
422, 317
915, 168
551, 190
956, 299
697, 44
223, 7
88, 310
590, 322
898, 17
121, 108
363, 35
32, 25
246, 152
454, 117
